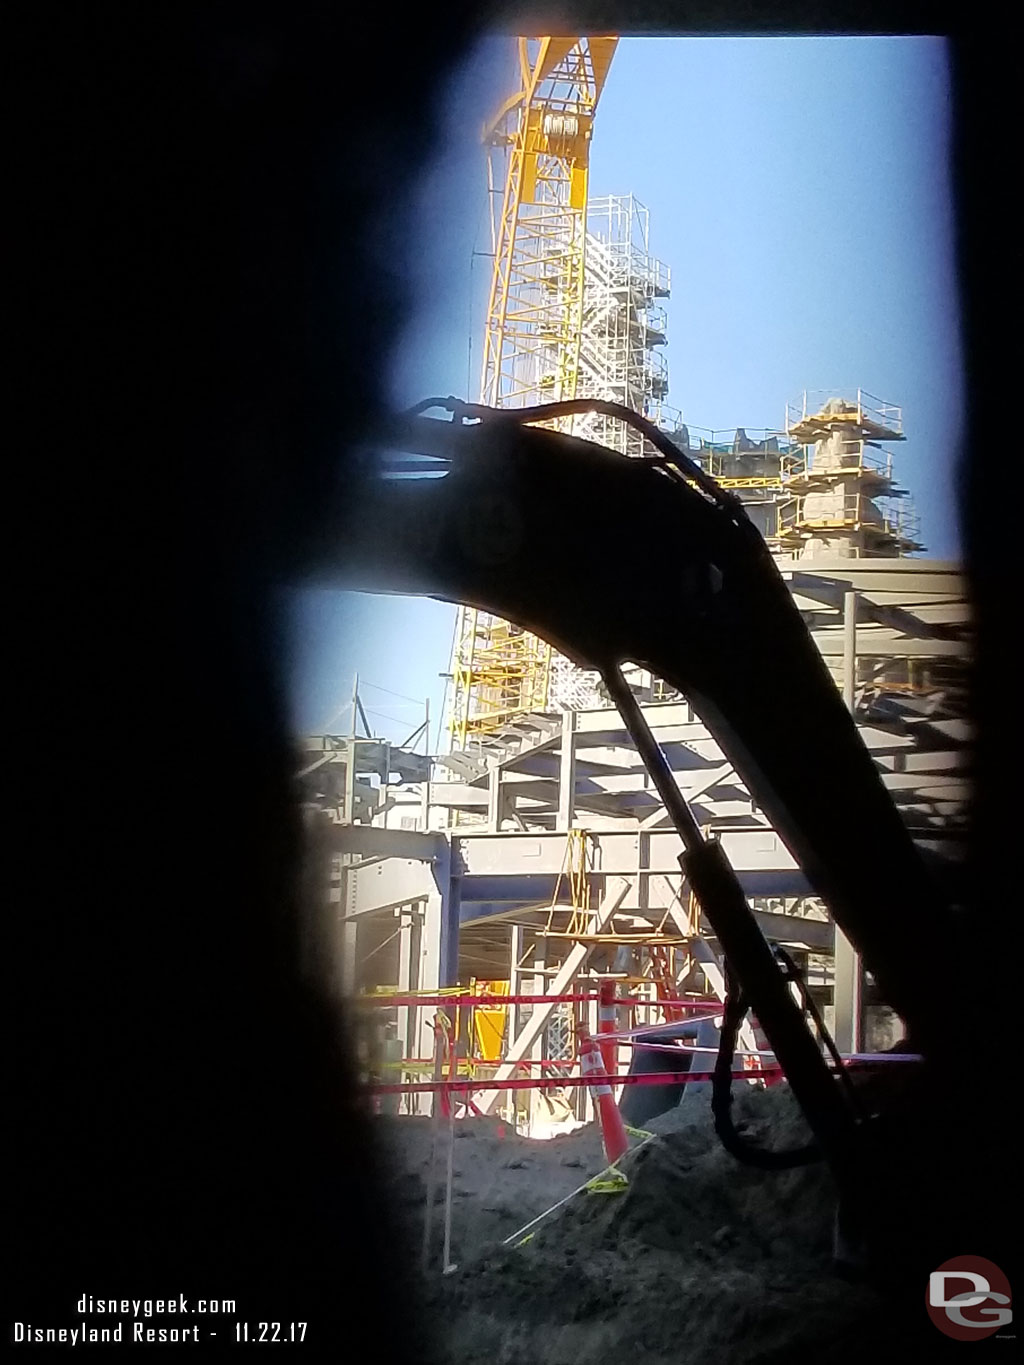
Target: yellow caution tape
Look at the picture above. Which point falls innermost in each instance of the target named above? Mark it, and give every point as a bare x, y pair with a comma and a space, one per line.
425, 1068
608, 1182
383, 992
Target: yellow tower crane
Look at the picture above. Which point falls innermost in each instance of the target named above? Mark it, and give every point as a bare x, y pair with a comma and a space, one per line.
538, 170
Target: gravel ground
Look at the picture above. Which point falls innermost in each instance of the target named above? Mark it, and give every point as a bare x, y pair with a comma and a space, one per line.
700, 1259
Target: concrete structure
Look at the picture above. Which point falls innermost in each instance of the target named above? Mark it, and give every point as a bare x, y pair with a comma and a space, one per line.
844, 501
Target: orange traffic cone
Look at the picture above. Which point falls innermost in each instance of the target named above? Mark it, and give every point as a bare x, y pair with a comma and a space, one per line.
613, 1130
606, 1019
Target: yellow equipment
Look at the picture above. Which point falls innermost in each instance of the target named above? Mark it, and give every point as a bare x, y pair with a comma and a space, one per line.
489, 1021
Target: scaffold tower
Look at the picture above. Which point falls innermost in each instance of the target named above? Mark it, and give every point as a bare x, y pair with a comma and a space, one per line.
538, 177
539, 167
842, 499
624, 324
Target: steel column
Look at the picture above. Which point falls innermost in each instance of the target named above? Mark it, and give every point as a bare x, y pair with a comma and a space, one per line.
567, 773
849, 973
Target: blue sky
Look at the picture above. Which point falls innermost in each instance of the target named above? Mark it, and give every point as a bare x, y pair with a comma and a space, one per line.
798, 190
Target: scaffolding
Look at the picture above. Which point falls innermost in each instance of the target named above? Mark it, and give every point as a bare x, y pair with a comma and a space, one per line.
538, 175
855, 512
539, 167
576, 310
624, 323
818, 412
751, 463
823, 484
500, 672
843, 499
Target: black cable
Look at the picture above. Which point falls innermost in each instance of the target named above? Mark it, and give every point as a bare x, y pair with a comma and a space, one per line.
671, 455
569, 407
734, 1012
428, 403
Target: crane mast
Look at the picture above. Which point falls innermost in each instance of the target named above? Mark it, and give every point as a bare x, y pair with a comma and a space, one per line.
538, 172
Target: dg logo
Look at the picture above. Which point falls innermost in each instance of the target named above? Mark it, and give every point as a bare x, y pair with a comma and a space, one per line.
968, 1298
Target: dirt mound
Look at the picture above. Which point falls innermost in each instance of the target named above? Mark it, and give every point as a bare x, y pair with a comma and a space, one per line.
500, 1180
699, 1259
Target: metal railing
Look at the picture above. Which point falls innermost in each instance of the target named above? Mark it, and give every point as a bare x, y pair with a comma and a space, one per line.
887, 415
656, 367
855, 457
850, 512
903, 523
863, 408
656, 320
738, 458
618, 266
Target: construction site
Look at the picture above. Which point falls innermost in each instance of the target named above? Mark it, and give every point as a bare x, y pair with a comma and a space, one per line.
536, 495
512, 917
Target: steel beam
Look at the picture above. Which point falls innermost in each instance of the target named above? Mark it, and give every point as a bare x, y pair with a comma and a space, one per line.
515, 947
849, 972
368, 841
497, 896
885, 644
409, 979
575, 960
816, 934
901, 577
430, 948
446, 901
778, 927
384, 883
567, 773
494, 794
543, 852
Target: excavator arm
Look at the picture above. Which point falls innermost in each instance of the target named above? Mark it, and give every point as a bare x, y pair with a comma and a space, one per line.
613, 560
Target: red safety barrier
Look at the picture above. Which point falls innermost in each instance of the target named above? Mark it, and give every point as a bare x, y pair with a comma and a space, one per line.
554, 1082
417, 1063
446, 1001
606, 1021
559, 1082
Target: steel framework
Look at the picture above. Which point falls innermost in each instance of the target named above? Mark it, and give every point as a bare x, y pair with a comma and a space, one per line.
623, 322
499, 672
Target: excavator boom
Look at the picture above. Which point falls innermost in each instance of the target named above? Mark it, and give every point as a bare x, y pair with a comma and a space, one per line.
612, 560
